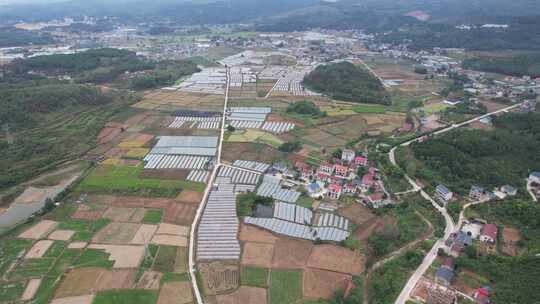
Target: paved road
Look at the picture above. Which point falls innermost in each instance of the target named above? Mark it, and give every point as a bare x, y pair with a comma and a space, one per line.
530, 190
192, 239
450, 226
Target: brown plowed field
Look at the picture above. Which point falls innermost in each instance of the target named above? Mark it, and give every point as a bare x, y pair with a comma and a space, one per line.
322, 283
338, 259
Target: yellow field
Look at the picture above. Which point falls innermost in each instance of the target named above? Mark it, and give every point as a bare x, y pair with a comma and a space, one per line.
137, 152
256, 136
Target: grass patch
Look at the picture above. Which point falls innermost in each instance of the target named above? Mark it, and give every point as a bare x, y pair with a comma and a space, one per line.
64, 261
174, 277
435, 108
152, 216
32, 268
125, 180
11, 291
255, 136
62, 212
9, 251
133, 296
77, 225
376, 109
165, 259
254, 276
305, 201
94, 258
285, 286
56, 249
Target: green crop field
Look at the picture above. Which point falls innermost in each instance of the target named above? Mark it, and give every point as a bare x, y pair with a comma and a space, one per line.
285, 286
254, 276
125, 180
153, 216
134, 296
370, 109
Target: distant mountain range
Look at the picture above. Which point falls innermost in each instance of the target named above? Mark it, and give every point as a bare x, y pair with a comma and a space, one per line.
301, 13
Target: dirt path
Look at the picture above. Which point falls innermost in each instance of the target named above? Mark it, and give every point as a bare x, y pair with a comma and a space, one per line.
389, 257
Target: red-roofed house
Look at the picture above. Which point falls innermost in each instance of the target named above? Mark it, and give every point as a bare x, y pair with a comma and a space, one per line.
334, 191
323, 177
341, 171
361, 161
306, 173
349, 188
489, 234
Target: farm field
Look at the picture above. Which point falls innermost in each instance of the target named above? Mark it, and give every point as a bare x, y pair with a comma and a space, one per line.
162, 100
252, 135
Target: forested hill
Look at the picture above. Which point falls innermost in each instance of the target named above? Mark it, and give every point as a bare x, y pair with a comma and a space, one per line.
524, 65
347, 82
99, 66
460, 159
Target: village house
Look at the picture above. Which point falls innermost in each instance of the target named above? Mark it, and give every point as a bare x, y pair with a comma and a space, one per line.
445, 273
509, 190
314, 190
334, 191
361, 161
326, 168
347, 155
443, 193
476, 193
341, 171
323, 177
481, 295
535, 177
489, 234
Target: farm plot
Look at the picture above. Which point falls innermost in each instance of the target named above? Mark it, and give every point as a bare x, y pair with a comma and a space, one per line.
219, 277
122, 179
124, 214
249, 233
86, 299
322, 284
291, 254
176, 100
337, 259
254, 136
175, 292
285, 286
244, 294
116, 233
124, 256
251, 151
88, 280
39, 249
40, 230
257, 254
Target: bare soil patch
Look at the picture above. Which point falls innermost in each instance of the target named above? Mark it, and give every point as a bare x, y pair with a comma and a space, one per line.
170, 240
251, 151
116, 233
31, 289
289, 253
165, 228
78, 281
61, 235
219, 277
323, 284
39, 249
175, 293
144, 234
510, 238
122, 255
244, 295
356, 213
86, 299
180, 264
257, 254
77, 245
189, 196
249, 233
124, 214
338, 259
116, 279
86, 213
39, 230
150, 280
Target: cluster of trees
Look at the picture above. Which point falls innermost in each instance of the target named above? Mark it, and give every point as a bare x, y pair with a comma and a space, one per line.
290, 146
524, 65
247, 202
515, 279
345, 81
20, 106
492, 158
11, 37
165, 73
307, 108
107, 65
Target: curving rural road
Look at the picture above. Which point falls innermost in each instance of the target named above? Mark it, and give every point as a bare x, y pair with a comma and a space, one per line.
450, 225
